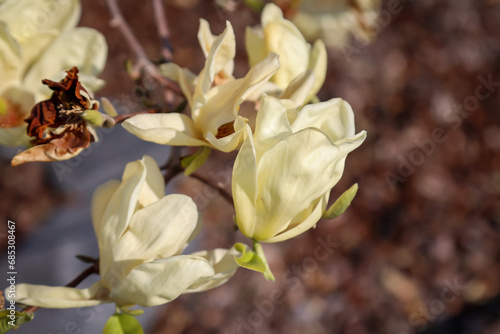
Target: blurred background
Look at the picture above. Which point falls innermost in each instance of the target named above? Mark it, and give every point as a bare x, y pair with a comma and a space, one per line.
417, 251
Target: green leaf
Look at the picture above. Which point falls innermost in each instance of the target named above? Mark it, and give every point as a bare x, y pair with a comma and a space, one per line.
342, 203
122, 323
17, 318
253, 260
192, 162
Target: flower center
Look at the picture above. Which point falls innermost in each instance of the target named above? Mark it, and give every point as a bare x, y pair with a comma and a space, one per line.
225, 130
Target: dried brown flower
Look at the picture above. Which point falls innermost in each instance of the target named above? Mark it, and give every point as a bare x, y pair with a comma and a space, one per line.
59, 130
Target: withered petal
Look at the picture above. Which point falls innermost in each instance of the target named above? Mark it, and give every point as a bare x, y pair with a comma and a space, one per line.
63, 148
42, 116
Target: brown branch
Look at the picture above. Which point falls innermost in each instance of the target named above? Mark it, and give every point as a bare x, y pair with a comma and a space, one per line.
219, 189
172, 167
143, 62
163, 31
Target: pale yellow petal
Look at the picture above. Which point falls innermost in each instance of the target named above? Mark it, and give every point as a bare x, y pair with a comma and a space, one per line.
222, 101
334, 117
184, 77
10, 58
307, 220
161, 281
119, 211
167, 129
244, 185
159, 230
154, 185
254, 44
318, 62
222, 260
82, 47
61, 297
292, 174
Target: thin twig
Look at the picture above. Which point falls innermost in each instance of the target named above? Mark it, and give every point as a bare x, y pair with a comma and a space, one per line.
173, 167
219, 189
93, 269
163, 32
143, 61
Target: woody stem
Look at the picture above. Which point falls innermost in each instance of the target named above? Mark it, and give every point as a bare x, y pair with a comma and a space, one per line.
163, 32
143, 61
217, 187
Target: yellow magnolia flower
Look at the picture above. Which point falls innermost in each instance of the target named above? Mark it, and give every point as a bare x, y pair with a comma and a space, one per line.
284, 172
214, 96
38, 40
281, 36
140, 233
334, 21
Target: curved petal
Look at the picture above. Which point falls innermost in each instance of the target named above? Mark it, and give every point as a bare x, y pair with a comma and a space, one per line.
271, 125
154, 185
119, 211
167, 129
184, 77
254, 44
244, 185
231, 142
206, 40
10, 58
223, 101
29, 17
221, 52
318, 62
100, 200
160, 230
222, 260
283, 37
308, 220
291, 175
61, 297
82, 47
161, 281
45, 152
334, 117
300, 90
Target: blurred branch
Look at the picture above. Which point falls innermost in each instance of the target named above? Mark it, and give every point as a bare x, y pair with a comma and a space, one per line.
173, 167
143, 61
163, 31
219, 189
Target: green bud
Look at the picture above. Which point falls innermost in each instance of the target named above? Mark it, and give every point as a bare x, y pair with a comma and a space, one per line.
122, 323
192, 162
108, 107
342, 203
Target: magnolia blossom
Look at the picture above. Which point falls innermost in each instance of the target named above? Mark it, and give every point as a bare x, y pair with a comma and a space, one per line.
284, 172
140, 233
281, 36
214, 95
334, 21
38, 40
